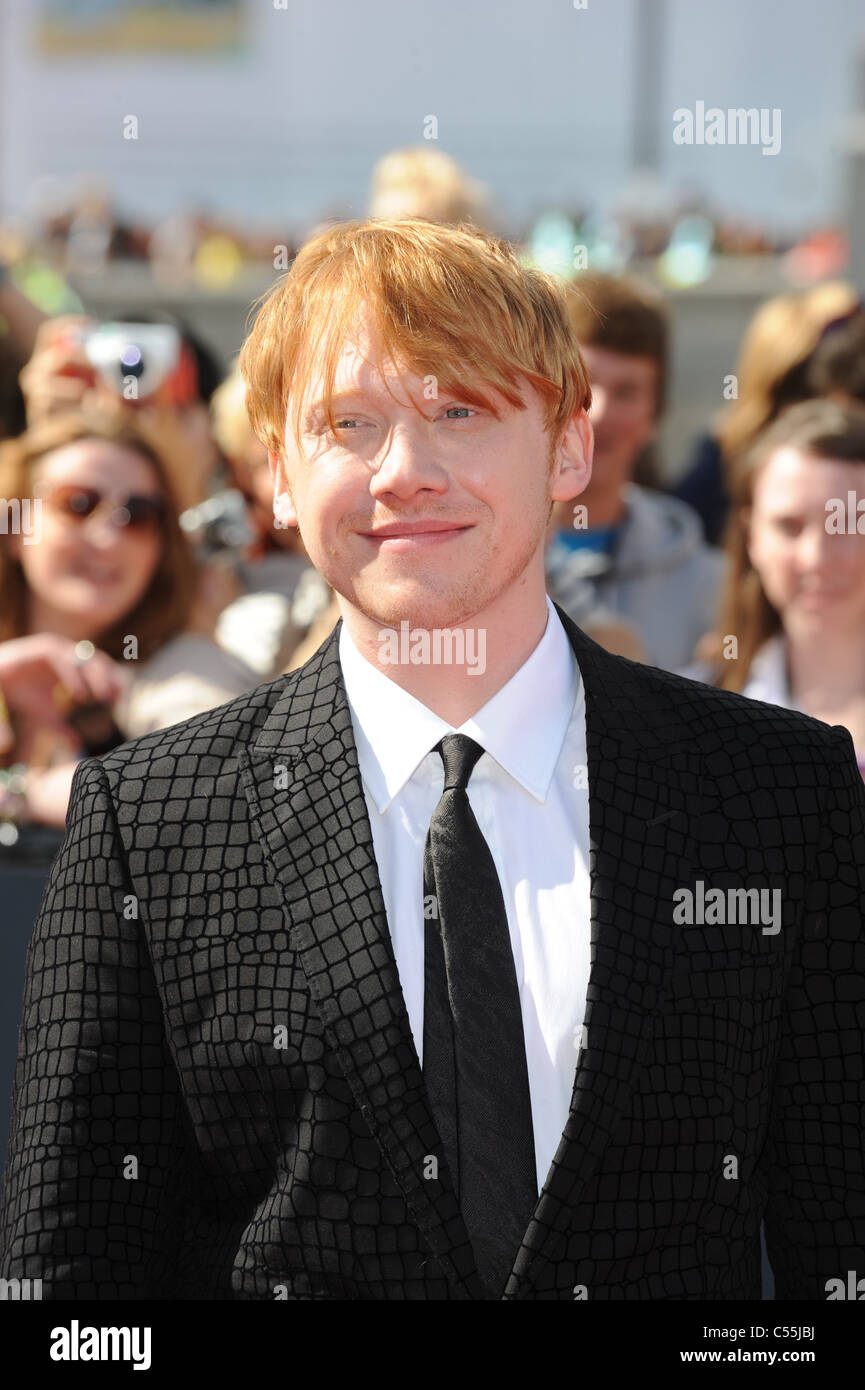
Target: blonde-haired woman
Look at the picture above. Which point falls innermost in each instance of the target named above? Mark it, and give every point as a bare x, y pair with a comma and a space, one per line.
423, 182
772, 372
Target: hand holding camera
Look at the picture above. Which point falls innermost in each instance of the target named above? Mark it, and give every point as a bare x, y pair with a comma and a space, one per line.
76, 362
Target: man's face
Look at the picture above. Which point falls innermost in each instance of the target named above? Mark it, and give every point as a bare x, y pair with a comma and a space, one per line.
623, 412
426, 517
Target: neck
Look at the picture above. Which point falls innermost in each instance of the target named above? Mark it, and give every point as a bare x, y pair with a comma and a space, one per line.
496, 642
825, 667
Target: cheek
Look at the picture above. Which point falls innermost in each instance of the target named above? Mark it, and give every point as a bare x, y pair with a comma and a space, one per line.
328, 499
55, 549
319, 510
639, 420
139, 559
772, 559
850, 558
143, 554
620, 423
36, 568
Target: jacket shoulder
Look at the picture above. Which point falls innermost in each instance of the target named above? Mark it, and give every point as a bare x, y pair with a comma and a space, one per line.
215, 733
726, 722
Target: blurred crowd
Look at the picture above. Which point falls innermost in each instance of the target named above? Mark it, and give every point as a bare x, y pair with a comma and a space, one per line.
151, 582
79, 230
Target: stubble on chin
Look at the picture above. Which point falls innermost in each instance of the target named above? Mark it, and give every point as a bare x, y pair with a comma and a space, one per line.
448, 602
387, 604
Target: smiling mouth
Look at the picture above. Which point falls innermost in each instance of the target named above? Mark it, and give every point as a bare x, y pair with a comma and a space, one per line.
409, 536
409, 528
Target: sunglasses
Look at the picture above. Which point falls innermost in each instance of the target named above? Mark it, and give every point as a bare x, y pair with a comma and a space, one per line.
133, 513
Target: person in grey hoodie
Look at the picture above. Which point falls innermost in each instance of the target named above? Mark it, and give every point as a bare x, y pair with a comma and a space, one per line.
623, 549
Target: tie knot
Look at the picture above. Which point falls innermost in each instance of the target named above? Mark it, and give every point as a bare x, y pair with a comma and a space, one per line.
459, 753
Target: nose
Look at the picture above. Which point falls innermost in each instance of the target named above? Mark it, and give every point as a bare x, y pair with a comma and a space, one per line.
407, 465
102, 533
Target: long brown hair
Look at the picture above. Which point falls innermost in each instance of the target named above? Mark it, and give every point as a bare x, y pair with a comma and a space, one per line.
771, 371
822, 429
163, 611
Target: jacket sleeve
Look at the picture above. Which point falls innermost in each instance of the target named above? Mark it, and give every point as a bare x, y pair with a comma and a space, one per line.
815, 1159
100, 1145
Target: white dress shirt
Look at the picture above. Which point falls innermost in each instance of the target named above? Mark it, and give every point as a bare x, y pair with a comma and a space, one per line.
529, 795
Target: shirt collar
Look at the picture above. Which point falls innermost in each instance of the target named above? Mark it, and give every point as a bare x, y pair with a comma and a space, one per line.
522, 726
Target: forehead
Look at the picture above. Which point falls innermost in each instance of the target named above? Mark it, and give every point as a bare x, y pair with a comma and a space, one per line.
606, 366
97, 459
363, 367
360, 364
791, 477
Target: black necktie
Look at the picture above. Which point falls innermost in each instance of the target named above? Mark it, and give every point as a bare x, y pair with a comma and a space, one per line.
474, 1055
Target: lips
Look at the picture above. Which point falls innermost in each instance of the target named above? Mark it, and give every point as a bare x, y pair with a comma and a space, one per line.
409, 539
400, 530
94, 576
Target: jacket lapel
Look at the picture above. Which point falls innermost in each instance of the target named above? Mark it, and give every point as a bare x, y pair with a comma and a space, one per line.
644, 797
307, 803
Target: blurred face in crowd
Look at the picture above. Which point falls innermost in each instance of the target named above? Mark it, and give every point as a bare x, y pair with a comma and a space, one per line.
253, 470
250, 472
195, 425
252, 476
623, 416
814, 578
87, 570
623, 412
427, 517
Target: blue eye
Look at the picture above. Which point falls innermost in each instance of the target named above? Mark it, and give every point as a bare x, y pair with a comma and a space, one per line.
348, 420
464, 408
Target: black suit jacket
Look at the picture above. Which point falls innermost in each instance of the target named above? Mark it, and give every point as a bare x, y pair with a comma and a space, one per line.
218, 1095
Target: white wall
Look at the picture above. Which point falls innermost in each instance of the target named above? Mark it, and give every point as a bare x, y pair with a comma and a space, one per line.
534, 95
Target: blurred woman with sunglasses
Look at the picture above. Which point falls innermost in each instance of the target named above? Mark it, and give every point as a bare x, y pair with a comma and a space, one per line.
93, 566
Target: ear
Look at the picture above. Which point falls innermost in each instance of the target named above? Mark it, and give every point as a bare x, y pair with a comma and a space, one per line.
284, 513
572, 465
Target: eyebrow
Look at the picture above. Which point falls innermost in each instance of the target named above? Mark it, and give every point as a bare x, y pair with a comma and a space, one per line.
342, 400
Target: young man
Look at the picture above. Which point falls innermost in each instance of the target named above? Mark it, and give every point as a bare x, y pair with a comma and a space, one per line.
620, 547
405, 976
